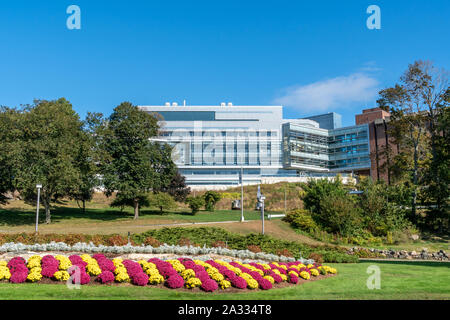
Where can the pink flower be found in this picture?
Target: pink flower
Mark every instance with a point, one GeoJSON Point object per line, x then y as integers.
{"type": "Point", "coordinates": [239, 282]}
{"type": "Point", "coordinates": [293, 278]}
{"type": "Point", "coordinates": [265, 284]}
{"type": "Point", "coordinates": [175, 281]}
{"type": "Point", "coordinates": [18, 277]}
{"type": "Point", "coordinates": [209, 285]}
{"type": "Point", "coordinates": [106, 277]}
{"type": "Point", "coordinates": [140, 279]}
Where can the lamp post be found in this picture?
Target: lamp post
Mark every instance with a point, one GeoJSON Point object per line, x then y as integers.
{"type": "Point", "coordinates": [38, 186]}
{"type": "Point", "coordinates": [241, 180]}
{"type": "Point", "coordinates": [261, 199]}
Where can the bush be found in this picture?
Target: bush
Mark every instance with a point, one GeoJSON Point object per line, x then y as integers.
{"type": "Point", "coordinates": [211, 198]}
{"type": "Point", "coordinates": [301, 219]}
{"type": "Point", "coordinates": [195, 203]}
{"type": "Point", "coordinates": [161, 200]}
{"type": "Point", "coordinates": [316, 257]}
{"type": "Point", "coordinates": [150, 241]}
{"type": "Point", "coordinates": [254, 248]}
{"type": "Point", "coordinates": [339, 214]}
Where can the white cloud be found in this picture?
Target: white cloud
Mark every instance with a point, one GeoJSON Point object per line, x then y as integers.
{"type": "Point", "coordinates": [330, 94]}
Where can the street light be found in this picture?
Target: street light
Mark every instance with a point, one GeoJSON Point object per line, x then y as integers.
{"type": "Point", "coordinates": [241, 180]}
{"type": "Point", "coordinates": [38, 186]}
{"type": "Point", "coordinates": [261, 199]}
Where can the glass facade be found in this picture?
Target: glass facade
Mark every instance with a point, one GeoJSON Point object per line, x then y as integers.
{"type": "Point", "coordinates": [212, 143]}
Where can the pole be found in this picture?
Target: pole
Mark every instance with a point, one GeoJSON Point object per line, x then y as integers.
{"type": "Point", "coordinates": [37, 210]}
{"type": "Point", "coordinates": [242, 194]}
{"type": "Point", "coordinates": [262, 215]}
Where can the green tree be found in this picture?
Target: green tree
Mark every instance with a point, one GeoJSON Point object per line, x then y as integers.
{"type": "Point", "coordinates": [195, 203]}
{"type": "Point", "coordinates": [407, 127]}
{"type": "Point", "coordinates": [161, 200]}
{"type": "Point", "coordinates": [86, 163]}
{"type": "Point", "coordinates": [211, 198]}
{"type": "Point", "coordinates": [131, 164]}
{"type": "Point", "coordinates": [10, 136]}
{"type": "Point", "coordinates": [49, 152]}
{"type": "Point", "coordinates": [339, 214]}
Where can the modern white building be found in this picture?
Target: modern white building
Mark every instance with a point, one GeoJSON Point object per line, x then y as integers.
{"type": "Point", "coordinates": [212, 144]}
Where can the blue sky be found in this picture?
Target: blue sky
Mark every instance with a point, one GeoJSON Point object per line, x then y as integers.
{"type": "Point", "coordinates": [311, 56]}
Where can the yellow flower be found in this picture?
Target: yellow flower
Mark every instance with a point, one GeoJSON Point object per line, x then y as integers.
{"type": "Point", "coordinates": [309, 266]}
{"type": "Point", "coordinates": [34, 276]}
{"type": "Point", "coordinates": [314, 272]}
{"type": "Point", "coordinates": [3, 263]}
{"type": "Point", "coordinates": [284, 277]}
{"type": "Point", "coordinates": [155, 279]}
{"type": "Point", "coordinates": [61, 275]}
{"type": "Point", "coordinates": [217, 277]}
{"type": "Point", "coordinates": [270, 279]}
{"type": "Point", "coordinates": [152, 272]}
{"type": "Point", "coordinates": [252, 284]}
{"type": "Point", "coordinates": [93, 269]}
{"type": "Point", "coordinates": [64, 262]}
{"type": "Point", "coordinates": [294, 273]}
{"type": "Point", "coordinates": [224, 284]}
{"type": "Point", "coordinates": [193, 283]}
{"type": "Point", "coordinates": [120, 270]}
{"type": "Point", "coordinates": [4, 273]}
{"type": "Point", "coordinates": [187, 274]}
{"type": "Point", "coordinates": [305, 275]}
{"type": "Point", "coordinates": [122, 277]}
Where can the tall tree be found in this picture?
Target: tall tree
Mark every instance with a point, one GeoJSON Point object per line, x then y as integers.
{"type": "Point", "coordinates": [10, 135]}
{"type": "Point", "coordinates": [49, 151]}
{"type": "Point", "coordinates": [177, 188]}
{"type": "Point", "coordinates": [133, 165]}
{"type": "Point", "coordinates": [404, 101]}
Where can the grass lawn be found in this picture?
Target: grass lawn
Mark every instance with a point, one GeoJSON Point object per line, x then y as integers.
{"type": "Point", "coordinates": [108, 220]}
{"type": "Point", "coordinates": [399, 280]}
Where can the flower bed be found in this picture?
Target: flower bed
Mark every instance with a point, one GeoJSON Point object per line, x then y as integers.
{"type": "Point", "coordinates": [209, 275]}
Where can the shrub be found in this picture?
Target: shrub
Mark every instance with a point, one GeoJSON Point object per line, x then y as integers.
{"type": "Point", "coordinates": [339, 214]}
{"type": "Point", "coordinates": [150, 241]}
{"type": "Point", "coordinates": [284, 252]}
{"type": "Point", "coordinates": [195, 203]}
{"type": "Point", "coordinates": [116, 240]}
{"type": "Point", "coordinates": [301, 219]}
{"type": "Point", "coordinates": [316, 257]}
{"type": "Point", "coordinates": [211, 198]}
{"type": "Point", "coordinates": [219, 243]}
{"type": "Point", "coordinates": [254, 248]}
{"type": "Point", "coordinates": [161, 200]}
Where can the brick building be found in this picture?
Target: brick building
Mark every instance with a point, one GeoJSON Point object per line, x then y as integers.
{"type": "Point", "coordinates": [377, 120]}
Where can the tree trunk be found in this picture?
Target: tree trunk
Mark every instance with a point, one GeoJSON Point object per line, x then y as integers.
{"type": "Point", "coordinates": [47, 210]}
{"type": "Point", "coordinates": [136, 209]}
{"type": "Point", "coordinates": [414, 195]}
{"type": "Point", "coordinates": [84, 206]}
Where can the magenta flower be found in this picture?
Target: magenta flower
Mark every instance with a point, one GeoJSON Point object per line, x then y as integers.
{"type": "Point", "coordinates": [106, 277]}
{"type": "Point", "coordinates": [140, 279]}
{"type": "Point", "coordinates": [265, 284]}
{"type": "Point", "coordinates": [175, 281]}
{"type": "Point", "coordinates": [209, 285]}
{"type": "Point", "coordinates": [239, 282]}
{"type": "Point", "coordinates": [293, 278]}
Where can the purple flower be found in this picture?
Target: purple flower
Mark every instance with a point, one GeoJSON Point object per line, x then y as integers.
{"type": "Point", "coordinates": [239, 282]}
{"type": "Point", "coordinates": [18, 277]}
{"type": "Point", "coordinates": [175, 281]}
{"type": "Point", "coordinates": [209, 285]}
{"type": "Point", "coordinates": [106, 277]}
{"type": "Point", "coordinates": [293, 278]}
{"type": "Point", "coordinates": [140, 279]}
{"type": "Point", "coordinates": [265, 284]}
